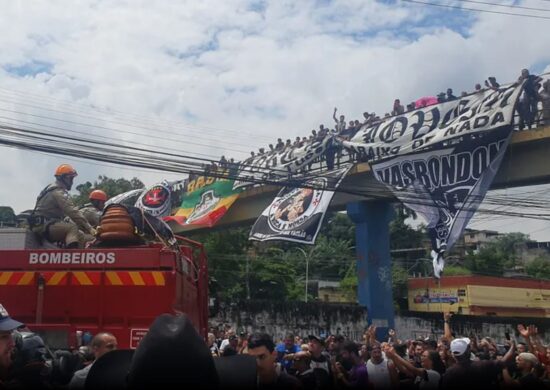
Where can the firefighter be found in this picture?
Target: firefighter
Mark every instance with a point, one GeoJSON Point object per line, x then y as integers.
{"type": "Point", "coordinates": [92, 211]}
{"type": "Point", "coordinates": [53, 205]}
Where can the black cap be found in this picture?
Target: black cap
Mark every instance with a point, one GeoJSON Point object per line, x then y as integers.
{"type": "Point", "coordinates": [318, 339]}
{"type": "Point", "coordinates": [7, 324]}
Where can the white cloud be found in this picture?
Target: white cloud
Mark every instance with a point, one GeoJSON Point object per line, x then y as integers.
{"type": "Point", "coordinates": [262, 69]}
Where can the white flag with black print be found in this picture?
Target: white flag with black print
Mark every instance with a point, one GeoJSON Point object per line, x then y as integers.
{"type": "Point", "coordinates": [296, 213]}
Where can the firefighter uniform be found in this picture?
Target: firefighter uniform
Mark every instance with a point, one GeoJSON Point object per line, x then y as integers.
{"type": "Point", "coordinates": [52, 206]}
{"type": "Point", "coordinates": [92, 214]}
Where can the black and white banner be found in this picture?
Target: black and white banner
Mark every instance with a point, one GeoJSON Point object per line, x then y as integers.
{"type": "Point", "coordinates": [440, 160]}
{"type": "Point", "coordinates": [280, 164]}
{"type": "Point", "coordinates": [296, 213]}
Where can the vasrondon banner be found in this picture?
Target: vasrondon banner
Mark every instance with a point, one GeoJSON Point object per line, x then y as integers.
{"type": "Point", "coordinates": [206, 200]}
{"type": "Point", "coordinates": [296, 214]}
{"type": "Point", "coordinates": [440, 160]}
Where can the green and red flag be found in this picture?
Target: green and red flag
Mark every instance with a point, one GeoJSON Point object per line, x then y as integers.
{"type": "Point", "coordinates": [205, 202]}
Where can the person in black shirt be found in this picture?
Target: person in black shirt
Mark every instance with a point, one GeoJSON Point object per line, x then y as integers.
{"type": "Point", "coordinates": [301, 366]}
{"type": "Point", "coordinates": [231, 348]}
{"type": "Point", "coordinates": [270, 376]}
{"type": "Point", "coordinates": [469, 374]}
{"type": "Point", "coordinates": [450, 95]}
{"type": "Point", "coordinates": [320, 363]}
{"type": "Point", "coordinates": [527, 364]}
{"type": "Point", "coordinates": [529, 100]}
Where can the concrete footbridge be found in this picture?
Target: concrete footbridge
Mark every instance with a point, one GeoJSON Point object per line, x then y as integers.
{"type": "Point", "coordinates": [527, 162]}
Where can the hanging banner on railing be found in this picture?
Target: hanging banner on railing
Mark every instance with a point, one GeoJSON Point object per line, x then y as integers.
{"type": "Point", "coordinates": [205, 201]}
{"type": "Point", "coordinates": [440, 160]}
{"type": "Point", "coordinates": [278, 165]}
{"type": "Point", "coordinates": [296, 213]}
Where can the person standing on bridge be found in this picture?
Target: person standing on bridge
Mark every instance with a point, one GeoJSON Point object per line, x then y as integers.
{"type": "Point", "coordinates": [529, 99]}
{"type": "Point", "coordinates": [340, 124]}
{"type": "Point", "coordinates": [53, 205]}
{"type": "Point", "coordinates": [545, 99]}
{"type": "Point", "coordinates": [92, 211]}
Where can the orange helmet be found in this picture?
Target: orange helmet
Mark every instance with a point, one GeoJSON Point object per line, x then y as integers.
{"type": "Point", "coordinates": [98, 195]}
{"type": "Point", "coordinates": [65, 170]}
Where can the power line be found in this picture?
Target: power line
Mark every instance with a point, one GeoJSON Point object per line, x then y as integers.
{"type": "Point", "coordinates": [79, 107]}
{"type": "Point", "coordinates": [506, 5]}
{"type": "Point", "coordinates": [364, 190]}
{"type": "Point", "coordinates": [475, 9]}
{"type": "Point", "coordinates": [144, 158]}
{"type": "Point", "coordinates": [142, 124]}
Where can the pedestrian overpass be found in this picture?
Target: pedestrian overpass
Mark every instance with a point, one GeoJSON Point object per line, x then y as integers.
{"type": "Point", "coordinates": [527, 162]}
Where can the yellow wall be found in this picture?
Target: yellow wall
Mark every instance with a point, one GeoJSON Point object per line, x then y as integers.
{"type": "Point", "coordinates": [482, 300]}
{"type": "Point", "coordinates": [508, 297]}
{"type": "Point", "coordinates": [437, 299]}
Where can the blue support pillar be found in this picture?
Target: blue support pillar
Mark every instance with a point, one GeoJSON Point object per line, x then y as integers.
{"type": "Point", "coordinates": [372, 243]}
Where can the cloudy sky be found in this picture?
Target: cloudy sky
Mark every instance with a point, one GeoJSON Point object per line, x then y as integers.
{"type": "Point", "coordinates": [219, 77]}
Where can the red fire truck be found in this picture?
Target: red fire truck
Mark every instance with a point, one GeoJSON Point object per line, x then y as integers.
{"type": "Point", "coordinates": [62, 294]}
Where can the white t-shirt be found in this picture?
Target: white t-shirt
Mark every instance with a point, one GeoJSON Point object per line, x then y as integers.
{"type": "Point", "coordinates": [429, 381]}
{"type": "Point", "coordinates": [225, 343]}
{"type": "Point", "coordinates": [379, 374]}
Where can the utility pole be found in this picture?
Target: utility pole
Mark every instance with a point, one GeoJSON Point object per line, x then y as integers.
{"type": "Point", "coordinates": [307, 274]}
{"type": "Point", "coordinates": [247, 277]}
{"type": "Point", "coordinates": [307, 257]}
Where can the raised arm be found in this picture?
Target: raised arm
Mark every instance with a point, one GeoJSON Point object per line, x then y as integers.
{"type": "Point", "coordinates": [525, 333]}
{"type": "Point", "coordinates": [510, 353]}
{"type": "Point", "coordinates": [447, 326]}
{"type": "Point", "coordinates": [392, 336]}
{"type": "Point", "coordinates": [536, 340]}
{"type": "Point", "coordinates": [404, 365]}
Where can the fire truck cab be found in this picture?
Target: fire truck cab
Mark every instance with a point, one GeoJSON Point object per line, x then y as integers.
{"type": "Point", "coordinates": [63, 294]}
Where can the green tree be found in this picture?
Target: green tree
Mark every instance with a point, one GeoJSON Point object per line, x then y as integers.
{"type": "Point", "coordinates": [539, 268]}
{"type": "Point", "coordinates": [111, 187]}
{"type": "Point", "coordinates": [400, 279]}
{"type": "Point", "coordinates": [494, 257]}
{"type": "Point", "coordinates": [349, 283]}
{"type": "Point", "coordinates": [456, 270]}
{"type": "Point", "coordinates": [329, 258]}
{"type": "Point", "coordinates": [273, 277]}
{"type": "Point", "coordinates": [338, 226]}
{"type": "Point", "coordinates": [402, 235]}
{"type": "Point", "coordinates": [227, 252]}
{"type": "Point", "coordinates": [7, 216]}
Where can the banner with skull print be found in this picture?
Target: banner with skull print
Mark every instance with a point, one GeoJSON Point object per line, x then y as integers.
{"type": "Point", "coordinates": [296, 213]}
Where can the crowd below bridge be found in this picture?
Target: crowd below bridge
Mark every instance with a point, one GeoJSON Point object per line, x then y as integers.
{"type": "Point", "coordinates": [533, 110]}
{"type": "Point", "coordinates": [172, 353]}
{"type": "Point", "coordinates": [447, 362]}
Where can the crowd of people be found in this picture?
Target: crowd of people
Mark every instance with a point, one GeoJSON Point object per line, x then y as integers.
{"type": "Point", "coordinates": [174, 353]}
{"type": "Point", "coordinates": [447, 362]}
{"type": "Point", "coordinates": [533, 110]}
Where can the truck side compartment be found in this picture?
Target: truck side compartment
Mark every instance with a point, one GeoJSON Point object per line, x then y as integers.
{"type": "Point", "coordinates": [60, 293]}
